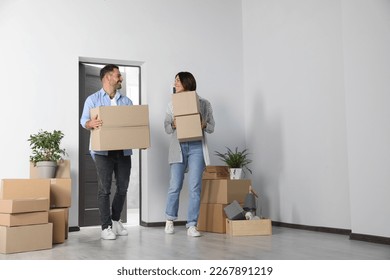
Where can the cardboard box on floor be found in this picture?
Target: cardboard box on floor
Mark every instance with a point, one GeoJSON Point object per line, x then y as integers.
{"type": "Point", "coordinates": [60, 186]}
{"type": "Point", "coordinates": [212, 217]}
{"type": "Point", "coordinates": [60, 192]}
{"type": "Point", "coordinates": [66, 222]}
{"type": "Point", "coordinates": [22, 219]}
{"type": "Point", "coordinates": [25, 238]}
{"type": "Point", "coordinates": [58, 219]}
{"type": "Point", "coordinates": [216, 172]}
{"type": "Point", "coordinates": [124, 127]}
{"type": "Point", "coordinates": [224, 191]}
{"type": "Point", "coordinates": [24, 205]}
{"type": "Point", "coordinates": [185, 103]}
{"type": "Point", "coordinates": [188, 128]}
{"type": "Point", "coordinates": [248, 227]}
{"type": "Point", "coordinates": [25, 189]}
{"type": "Point", "coordinates": [57, 190]}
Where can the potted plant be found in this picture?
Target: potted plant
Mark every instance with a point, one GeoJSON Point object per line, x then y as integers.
{"type": "Point", "coordinates": [236, 160]}
{"type": "Point", "coordinates": [46, 151]}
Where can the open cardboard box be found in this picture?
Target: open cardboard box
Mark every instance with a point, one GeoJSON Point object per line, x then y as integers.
{"type": "Point", "coordinates": [248, 227]}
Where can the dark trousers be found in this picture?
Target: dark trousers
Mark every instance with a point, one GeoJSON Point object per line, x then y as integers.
{"type": "Point", "coordinates": [119, 165]}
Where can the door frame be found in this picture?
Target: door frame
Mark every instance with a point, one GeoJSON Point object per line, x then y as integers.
{"type": "Point", "coordinates": [124, 63]}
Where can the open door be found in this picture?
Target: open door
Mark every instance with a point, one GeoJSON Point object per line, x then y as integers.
{"type": "Point", "coordinates": [89, 82]}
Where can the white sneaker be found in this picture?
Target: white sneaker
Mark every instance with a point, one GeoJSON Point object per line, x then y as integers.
{"type": "Point", "coordinates": [169, 228]}
{"type": "Point", "coordinates": [108, 234]}
{"type": "Point", "coordinates": [118, 228]}
{"type": "Point", "coordinates": [193, 231]}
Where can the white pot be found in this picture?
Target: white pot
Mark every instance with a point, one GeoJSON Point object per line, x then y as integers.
{"type": "Point", "coordinates": [46, 169]}
{"type": "Point", "coordinates": [235, 173]}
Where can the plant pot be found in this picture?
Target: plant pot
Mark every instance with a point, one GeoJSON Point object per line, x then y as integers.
{"type": "Point", "coordinates": [46, 169]}
{"type": "Point", "coordinates": [235, 173]}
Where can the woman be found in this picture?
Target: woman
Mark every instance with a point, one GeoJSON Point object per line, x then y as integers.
{"type": "Point", "coordinates": [186, 156]}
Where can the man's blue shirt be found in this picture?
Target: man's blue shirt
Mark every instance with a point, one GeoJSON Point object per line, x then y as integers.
{"type": "Point", "coordinates": [101, 98]}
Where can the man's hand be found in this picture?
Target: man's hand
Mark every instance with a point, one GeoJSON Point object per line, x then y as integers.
{"type": "Point", "coordinates": [94, 123]}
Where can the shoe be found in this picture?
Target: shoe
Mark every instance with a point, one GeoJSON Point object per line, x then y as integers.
{"type": "Point", "coordinates": [118, 228]}
{"type": "Point", "coordinates": [193, 231]}
{"type": "Point", "coordinates": [169, 228]}
{"type": "Point", "coordinates": [108, 234]}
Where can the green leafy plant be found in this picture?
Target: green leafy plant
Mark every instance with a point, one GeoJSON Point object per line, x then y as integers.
{"type": "Point", "coordinates": [236, 158]}
{"type": "Point", "coordinates": [45, 146]}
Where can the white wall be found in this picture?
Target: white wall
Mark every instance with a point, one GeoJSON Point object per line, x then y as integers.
{"type": "Point", "coordinates": [366, 37]}
{"type": "Point", "coordinates": [294, 87]}
{"type": "Point", "coordinates": [315, 79]}
{"type": "Point", "coordinates": [41, 45]}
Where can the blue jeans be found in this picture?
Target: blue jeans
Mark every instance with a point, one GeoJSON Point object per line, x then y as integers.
{"type": "Point", "coordinates": [193, 160]}
{"type": "Point", "coordinates": [119, 165]}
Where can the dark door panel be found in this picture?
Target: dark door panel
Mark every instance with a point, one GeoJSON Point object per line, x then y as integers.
{"type": "Point", "coordinates": [90, 216]}
{"type": "Point", "coordinates": [89, 82]}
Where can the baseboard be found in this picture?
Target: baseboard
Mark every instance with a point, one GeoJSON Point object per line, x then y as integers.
{"type": "Point", "coordinates": [352, 236]}
{"type": "Point", "coordinates": [74, 229]}
{"type": "Point", "coordinates": [313, 228]}
{"type": "Point", "coordinates": [370, 238]}
{"type": "Point", "coordinates": [161, 224]}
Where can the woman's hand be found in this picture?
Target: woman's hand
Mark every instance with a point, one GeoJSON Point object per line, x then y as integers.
{"type": "Point", "coordinates": [203, 124]}
{"type": "Point", "coordinates": [174, 123]}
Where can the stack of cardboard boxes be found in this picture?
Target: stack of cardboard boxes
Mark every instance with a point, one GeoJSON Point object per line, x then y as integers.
{"type": "Point", "coordinates": [60, 200]}
{"type": "Point", "coordinates": [34, 212]}
{"type": "Point", "coordinates": [186, 112]}
{"type": "Point", "coordinates": [24, 205]}
{"type": "Point", "coordinates": [218, 191]}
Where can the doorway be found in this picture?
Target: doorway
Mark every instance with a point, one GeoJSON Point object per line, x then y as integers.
{"type": "Point", "coordinates": [89, 82]}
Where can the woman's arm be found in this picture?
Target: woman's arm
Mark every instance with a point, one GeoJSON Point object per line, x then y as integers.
{"type": "Point", "coordinates": [208, 122]}
{"type": "Point", "coordinates": [169, 120]}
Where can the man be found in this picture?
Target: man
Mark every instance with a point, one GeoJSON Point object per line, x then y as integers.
{"type": "Point", "coordinates": [109, 162]}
